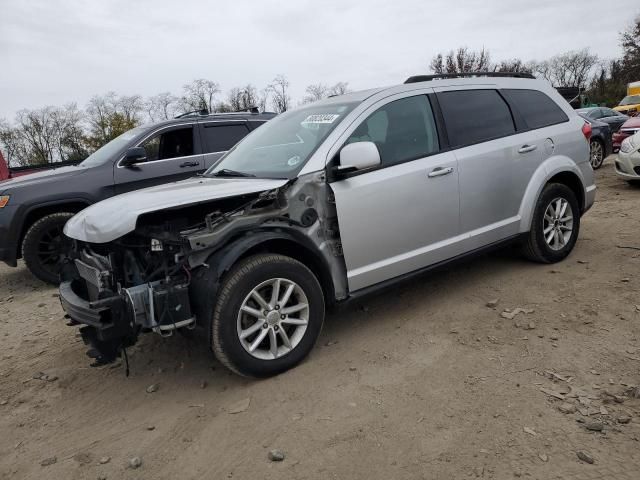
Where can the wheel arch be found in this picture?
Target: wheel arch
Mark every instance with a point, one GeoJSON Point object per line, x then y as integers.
{"type": "Point", "coordinates": [37, 212]}
{"type": "Point", "coordinates": [555, 170]}
{"type": "Point", "coordinates": [206, 279]}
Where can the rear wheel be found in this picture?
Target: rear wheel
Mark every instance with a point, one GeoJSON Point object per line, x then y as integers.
{"type": "Point", "coordinates": [555, 225]}
{"type": "Point", "coordinates": [596, 156]}
{"type": "Point", "coordinates": [45, 246]}
{"type": "Point", "coordinates": [268, 315]}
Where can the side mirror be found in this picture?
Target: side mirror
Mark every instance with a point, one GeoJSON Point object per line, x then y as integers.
{"type": "Point", "coordinates": [358, 156]}
{"type": "Point", "coordinates": [134, 155]}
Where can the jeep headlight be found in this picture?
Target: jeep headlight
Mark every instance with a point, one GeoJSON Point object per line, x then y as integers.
{"type": "Point", "coordinates": [4, 199]}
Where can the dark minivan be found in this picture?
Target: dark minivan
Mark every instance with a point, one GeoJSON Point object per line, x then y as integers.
{"type": "Point", "coordinates": [35, 208]}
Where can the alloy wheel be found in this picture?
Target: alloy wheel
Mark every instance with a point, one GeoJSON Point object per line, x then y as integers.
{"type": "Point", "coordinates": [53, 248]}
{"type": "Point", "coordinates": [273, 318]}
{"type": "Point", "coordinates": [557, 225]}
{"type": "Point", "coordinates": [596, 156]}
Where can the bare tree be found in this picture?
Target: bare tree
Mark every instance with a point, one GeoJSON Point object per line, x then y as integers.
{"type": "Point", "coordinates": [461, 60]}
{"type": "Point", "coordinates": [318, 91]}
{"type": "Point", "coordinates": [199, 95]}
{"type": "Point", "coordinates": [242, 98]}
{"type": "Point", "coordinates": [110, 115]}
{"type": "Point", "coordinates": [569, 69]}
{"type": "Point", "coordinates": [513, 65]}
{"type": "Point", "coordinates": [315, 92]}
{"type": "Point", "coordinates": [44, 135]}
{"type": "Point", "coordinates": [339, 88]}
{"type": "Point", "coordinates": [162, 106]}
{"type": "Point", "coordinates": [279, 90]}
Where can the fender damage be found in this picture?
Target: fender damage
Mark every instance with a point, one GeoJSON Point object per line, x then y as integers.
{"type": "Point", "coordinates": [163, 274]}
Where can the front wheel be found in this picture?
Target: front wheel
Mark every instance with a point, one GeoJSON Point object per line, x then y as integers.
{"type": "Point", "coordinates": [268, 315]}
{"type": "Point", "coordinates": [45, 247]}
{"type": "Point", "coordinates": [555, 225]}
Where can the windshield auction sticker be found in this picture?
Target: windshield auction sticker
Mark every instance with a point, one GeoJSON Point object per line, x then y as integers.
{"type": "Point", "coordinates": [321, 118]}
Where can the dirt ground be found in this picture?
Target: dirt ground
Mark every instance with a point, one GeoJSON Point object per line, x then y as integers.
{"type": "Point", "coordinates": [425, 381]}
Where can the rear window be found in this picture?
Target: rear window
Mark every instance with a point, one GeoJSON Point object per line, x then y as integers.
{"type": "Point", "coordinates": [473, 116]}
{"type": "Point", "coordinates": [537, 109]}
{"type": "Point", "coordinates": [220, 138]}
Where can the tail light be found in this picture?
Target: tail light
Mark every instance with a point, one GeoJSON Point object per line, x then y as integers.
{"type": "Point", "coordinates": [586, 130]}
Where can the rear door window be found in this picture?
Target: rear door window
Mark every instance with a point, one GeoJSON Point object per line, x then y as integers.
{"type": "Point", "coordinates": [474, 116]}
{"type": "Point", "coordinates": [537, 109]}
{"type": "Point", "coordinates": [221, 137]}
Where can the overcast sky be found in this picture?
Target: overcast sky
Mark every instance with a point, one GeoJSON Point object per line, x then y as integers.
{"type": "Point", "coordinates": [54, 52]}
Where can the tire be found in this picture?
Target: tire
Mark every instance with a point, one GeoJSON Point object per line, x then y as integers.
{"type": "Point", "coordinates": [44, 247]}
{"type": "Point", "coordinates": [259, 273]}
{"type": "Point", "coordinates": [596, 153]}
{"type": "Point", "coordinates": [536, 247]}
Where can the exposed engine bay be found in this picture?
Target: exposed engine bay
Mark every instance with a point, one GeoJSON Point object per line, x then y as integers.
{"type": "Point", "coordinates": [163, 276]}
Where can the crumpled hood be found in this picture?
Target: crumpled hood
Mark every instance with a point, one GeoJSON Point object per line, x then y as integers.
{"type": "Point", "coordinates": [112, 218]}
{"type": "Point", "coordinates": [38, 178]}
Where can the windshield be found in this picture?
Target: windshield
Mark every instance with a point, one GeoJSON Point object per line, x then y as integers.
{"type": "Point", "coordinates": [107, 151]}
{"type": "Point", "coordinates": [281, 147]}
{"type": "Point", "coordinates": [630, 100]}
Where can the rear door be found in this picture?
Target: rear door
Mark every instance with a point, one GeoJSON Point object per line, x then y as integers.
{"type": "Point", "coordinates": [495, 162]}
{"type": "Point", "coordinates": [173, 153]}
{"type": "Point", "coordinates": [220, 136]}
{"type": "Point", "coordinates": [404, 215]}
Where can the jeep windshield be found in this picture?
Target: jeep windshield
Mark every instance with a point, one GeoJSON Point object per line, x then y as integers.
{"type": "Point", "coordinates": [630, 100]}
{"type": "Point", "coordinates": [106, 152]}
{"type": "Point", "coordinates": [281, 147]}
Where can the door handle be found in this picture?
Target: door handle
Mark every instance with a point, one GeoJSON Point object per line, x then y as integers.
{"type": "Point", "coordinates": [440, 171]}
{"type": "Point", "coordinates": [527, 148]}
{"type": "Point", "coordinates": [189, 164]}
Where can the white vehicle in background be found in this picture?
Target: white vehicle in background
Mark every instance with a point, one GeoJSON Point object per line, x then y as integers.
{"type": "Point", "coordinates": [628, 161]}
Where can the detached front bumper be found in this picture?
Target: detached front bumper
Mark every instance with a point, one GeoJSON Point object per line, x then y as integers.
{"type": "Point", "coordinates": [98, 314]}
{"type": "Point", "coordinates": [106, 325]}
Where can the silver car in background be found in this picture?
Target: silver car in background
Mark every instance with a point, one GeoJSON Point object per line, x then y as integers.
{"type": "Point", "coordinates": [328, 202]}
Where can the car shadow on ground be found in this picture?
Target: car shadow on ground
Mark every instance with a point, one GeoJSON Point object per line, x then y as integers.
{"type": "Point", "coordinates": [188, 353]}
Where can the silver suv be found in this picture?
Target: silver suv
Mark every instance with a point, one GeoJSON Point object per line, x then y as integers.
{"type": "Point", "coordinates": [325, 203]}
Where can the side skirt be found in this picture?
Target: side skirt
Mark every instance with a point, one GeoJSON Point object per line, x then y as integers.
{"type": "Point", "coordinates": [364, 292]}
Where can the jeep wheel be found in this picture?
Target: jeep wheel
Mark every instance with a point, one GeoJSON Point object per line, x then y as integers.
{"type": "Point", "coordinates": [555, 225]}
{"type": "Point", "coordinates": [45, 246]}
{"type": "Point", "coordinates": [268, 315]}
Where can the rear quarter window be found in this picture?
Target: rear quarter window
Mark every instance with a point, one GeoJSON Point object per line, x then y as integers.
{"type": "Point", "coordinates": [220, 138]}
{"type": "Point", "coordinates": [474, 116]}
{"type": "Point", "coordinates": [536, 108]}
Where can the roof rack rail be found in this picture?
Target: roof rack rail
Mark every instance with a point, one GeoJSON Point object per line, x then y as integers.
{"type": "Point", "coordinates": [252, 110]}
{"type": "Point", "coordinates": [194, 113]}
{"type": "Point", "coordinates": [426, 78]}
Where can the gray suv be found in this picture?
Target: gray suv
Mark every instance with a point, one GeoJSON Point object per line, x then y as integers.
{"type": "Point", "coordinates": [326, 203]}
{"type": "Point", "coordinates": [34, 208]}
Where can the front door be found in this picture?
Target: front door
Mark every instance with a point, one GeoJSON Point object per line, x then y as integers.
{"type": "Point", "coordinates": [172, 154]}
{"type": "Point", "coordinates": [404, 215]}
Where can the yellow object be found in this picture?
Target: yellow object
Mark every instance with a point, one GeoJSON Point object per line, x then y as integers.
{"type": "Point", "coordinates": [4, 199]}
{"type": "Point", "coordinates": [631, 103]}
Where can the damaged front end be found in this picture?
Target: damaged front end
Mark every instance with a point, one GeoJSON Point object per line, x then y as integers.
{"type": "Point", "coordinates": [164, 275]}
{"type": "Point", "coordinates": [116, 291]}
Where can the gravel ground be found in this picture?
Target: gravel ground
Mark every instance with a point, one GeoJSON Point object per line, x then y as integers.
{"type": "Point", "coordinates": [425, 381]}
